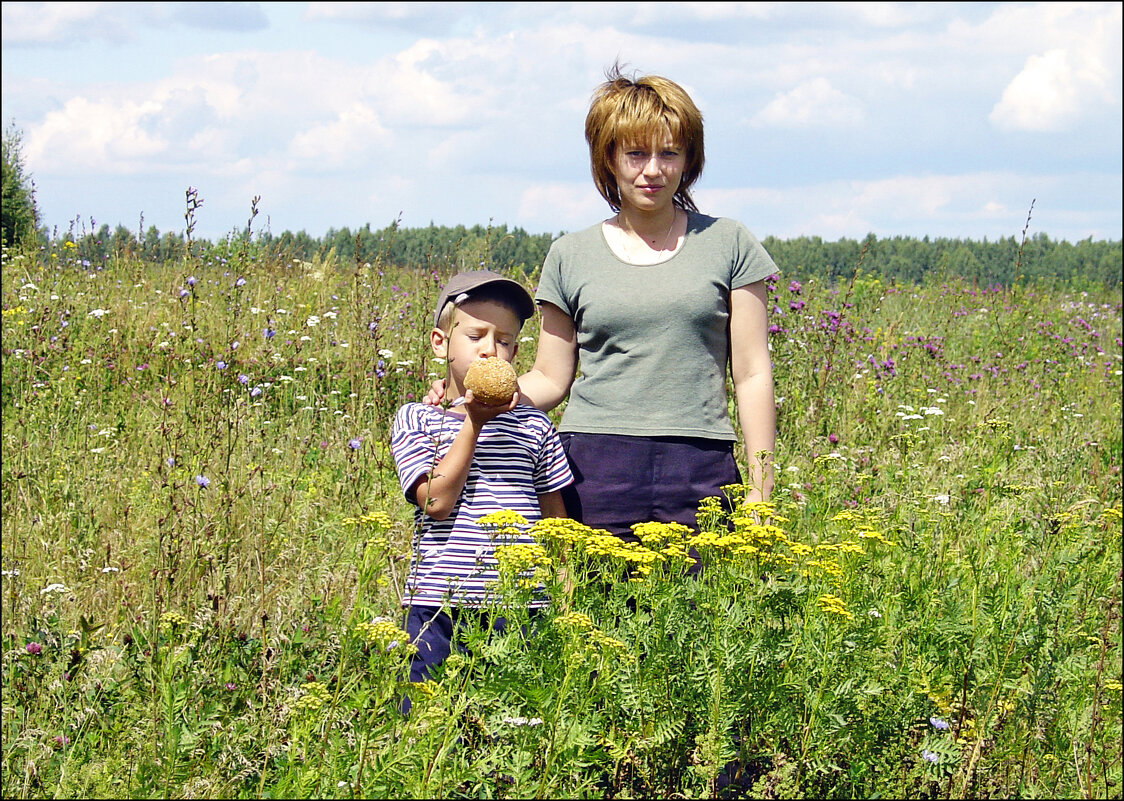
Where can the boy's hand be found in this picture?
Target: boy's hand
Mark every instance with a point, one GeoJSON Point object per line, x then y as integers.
{"type": "Point", "coordinates": [482, 413]}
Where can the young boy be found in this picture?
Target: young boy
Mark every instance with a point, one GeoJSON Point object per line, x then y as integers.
{"type": "Point", "coordinates": [460, 463]}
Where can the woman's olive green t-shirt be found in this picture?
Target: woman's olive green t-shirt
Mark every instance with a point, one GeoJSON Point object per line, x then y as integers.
{"type": "Point", "coordinates": [653, 343]}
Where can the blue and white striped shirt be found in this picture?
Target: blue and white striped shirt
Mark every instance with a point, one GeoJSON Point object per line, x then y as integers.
{"type": "Point", "coordinates": [518, 457]}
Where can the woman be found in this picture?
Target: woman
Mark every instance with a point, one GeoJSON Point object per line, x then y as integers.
{"type": "Point", "coordinates": [652, 304]}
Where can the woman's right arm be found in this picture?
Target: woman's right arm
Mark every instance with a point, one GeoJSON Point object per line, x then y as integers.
{"type": "Point", "coordinates": [548, 382]}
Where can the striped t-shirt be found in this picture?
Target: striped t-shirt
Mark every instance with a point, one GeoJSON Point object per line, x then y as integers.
{"type": "Point", "coordinates": [518, 457]}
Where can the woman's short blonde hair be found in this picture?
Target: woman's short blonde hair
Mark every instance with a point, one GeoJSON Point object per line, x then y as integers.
{"type": "Point", "coordinates": [634, 111]}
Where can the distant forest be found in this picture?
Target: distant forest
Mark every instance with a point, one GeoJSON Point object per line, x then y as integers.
{"type": "Point", "coordinates": [1037, 260]}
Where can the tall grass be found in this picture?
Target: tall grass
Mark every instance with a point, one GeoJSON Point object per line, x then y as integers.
{"type": "Point", "coordinates": [204, 547]}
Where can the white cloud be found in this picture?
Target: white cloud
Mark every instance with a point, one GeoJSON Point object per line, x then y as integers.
{"type": "Point", "coordinates": [94, 136]}
{"type": "Point", "coordinates": [965, 206]}
{"type": "Point", "coordinates": [1050, 93]}
{"type": "Point", "coordinates": [561, 206]}
{"type": "Point", "coordinates": [344, 141]}
{"type": "Point", "coordinates": [814, 103]}
{"type": "Point", "coordinates": [51, 23]}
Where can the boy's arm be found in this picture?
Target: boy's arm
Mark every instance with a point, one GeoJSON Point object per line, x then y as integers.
{"type": "Point", "coordinates": [551, 505]}
{"type": "Point", "coordinates": [436, 494]}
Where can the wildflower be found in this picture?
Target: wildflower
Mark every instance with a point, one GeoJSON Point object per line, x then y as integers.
{"type": "Point", "coordinates": [203, 481]}
{"type": "Point", "coordinates": [834, 605]}
{"type": "Point", "coordinates": [520, 557]}
{"type": "Point", "coordinates": [354, 443]}
{"type": "Point", "coordinates": [243, 379]}
{"type": "Point", "coordinates": [99, 313]}
{"type": "Point", "coordinates": [230, 686]}
{"type": "Point", "coordinates": [220, 365]}
{"type": "Point", "coordinates": [382, 633]}
{"type": "Point", "coordinates": [501, 519]}
{"type": "Point", "coordinates": [929, 756]}
{"type": "Point", "coordinates": [34, 648]}
{"type": "Point", "coordinates": [192, 280]}
{"type": "Point", "coordinates": [268, 333]}
{"type": "Point", "coordinates": [939, 724]}
{"type": "Point", "coordinates": [59, 588]}
{"type": "Point", "coordinates": [240, 282]}
{"type": "Point", "coordinates": [315, 696]}
{"type": "Point", "coordinates": [522, 721]}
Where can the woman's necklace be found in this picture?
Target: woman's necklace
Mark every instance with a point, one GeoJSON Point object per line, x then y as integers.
{"type": "Point", "coordinates": [666, 239]}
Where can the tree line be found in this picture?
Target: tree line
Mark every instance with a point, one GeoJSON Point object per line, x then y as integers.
{"type": "Point", "coordinates": [1037, 259]}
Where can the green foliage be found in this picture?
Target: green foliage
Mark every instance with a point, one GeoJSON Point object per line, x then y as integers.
{"type": "Point", "coordinates": [204, 544]}
{"type": "Point", "coordinates": [19, 216]}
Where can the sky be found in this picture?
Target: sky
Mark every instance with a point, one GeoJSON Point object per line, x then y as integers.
{"type": "Point", "coordinates": [834, 120]}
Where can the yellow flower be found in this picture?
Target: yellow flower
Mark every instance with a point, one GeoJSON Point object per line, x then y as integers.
{"type": "Point", "coordinates": [833, 605]}
{"type": "Point", "coordinates": [502, 519]}
{"type": "Point", "coordinates": [382, 633]}
{"type": "Point", "coordinates": [519, 557]}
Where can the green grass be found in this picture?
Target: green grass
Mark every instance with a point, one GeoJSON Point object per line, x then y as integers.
{"type": "Point", "coordinates": [929, 608]}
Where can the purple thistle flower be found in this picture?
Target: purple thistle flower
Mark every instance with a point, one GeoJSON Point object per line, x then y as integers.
{"type": "Point", "coordinates": [34, 648]}
{"type": "Point", "coordinates": [203, 482]}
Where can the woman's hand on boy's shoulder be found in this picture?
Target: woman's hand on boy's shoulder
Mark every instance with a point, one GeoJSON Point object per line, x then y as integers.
{"type": "Point", "coordinates": [436, 393]}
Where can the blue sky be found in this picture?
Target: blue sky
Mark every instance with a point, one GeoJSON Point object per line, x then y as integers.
{"type": "Point", "coordinates": [822, 119]}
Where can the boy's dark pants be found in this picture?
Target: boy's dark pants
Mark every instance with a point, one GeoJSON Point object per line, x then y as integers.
{"type": "Point", "coordinates": [434, 630]}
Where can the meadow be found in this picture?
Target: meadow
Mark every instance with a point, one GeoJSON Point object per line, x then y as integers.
{"type": "Point", "coordinates": [204, 547]}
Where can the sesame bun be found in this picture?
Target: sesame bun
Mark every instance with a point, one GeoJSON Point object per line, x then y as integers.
{"type": "Point", "coordinates": [491, 380]}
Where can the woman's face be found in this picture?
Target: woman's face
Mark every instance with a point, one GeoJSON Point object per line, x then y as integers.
{"type": "Point", "coordinates": [648, 175]}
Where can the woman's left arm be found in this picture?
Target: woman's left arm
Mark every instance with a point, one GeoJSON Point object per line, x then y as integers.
{"type": "Point", "coordinates": [752, 371]}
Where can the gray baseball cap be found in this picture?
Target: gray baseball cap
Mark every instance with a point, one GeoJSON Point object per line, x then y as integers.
{"type": "Point", "coordinates": [461, 286]}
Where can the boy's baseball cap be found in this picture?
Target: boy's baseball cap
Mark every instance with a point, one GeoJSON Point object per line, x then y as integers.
{"type": "Point", "coordinates": [461, 286]}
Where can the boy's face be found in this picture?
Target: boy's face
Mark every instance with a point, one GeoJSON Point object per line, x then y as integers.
{"type": "Point", "coordinates": [480, 328]}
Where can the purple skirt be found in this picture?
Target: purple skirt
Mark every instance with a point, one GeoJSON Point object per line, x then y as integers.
{"type": "Point", "coordinates": [620, 480]}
